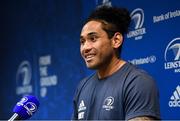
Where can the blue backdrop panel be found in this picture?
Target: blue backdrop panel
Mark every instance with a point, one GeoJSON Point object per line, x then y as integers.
{"type": "Point", "coordinates": [39, 50]}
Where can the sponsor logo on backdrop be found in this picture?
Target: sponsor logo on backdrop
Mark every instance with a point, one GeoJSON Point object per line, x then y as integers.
{"type": "Point", "coordinates": [81, 110]}
{"type": "Point", "coordinates": [145, 60]}
{"type": "Point", "coordinates": [166, 16]}
{"type": "Point", "coordinates": [103, 3]}
{"type": "Point", "coordinates": [175, 98]}
{"type": "Point", "coordinates": [172, 55]}
{"type": "Point", "coordinates": [46, 80]}
{"type": "Point", "coordinates": [23, 78]}
{"type": "Point", "coordinates": [137, 30]}
{"type": "Point", "coordinates": [108, 103]}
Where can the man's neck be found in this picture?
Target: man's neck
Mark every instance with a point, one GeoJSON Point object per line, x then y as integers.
{"type": "Point", "coordinates": [111, 68]}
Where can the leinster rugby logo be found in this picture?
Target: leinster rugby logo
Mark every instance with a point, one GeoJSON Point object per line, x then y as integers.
{"type": "Point", "coordinates": [103, 3]}
{"type": "Point", "coordinates": [172, 55]}
{"type": "Point", "coordinates": [23, 78]}
{"type": "Point", "coordinates": [137, 17]}
{"type": "Point", "coordinates": [108, 103]}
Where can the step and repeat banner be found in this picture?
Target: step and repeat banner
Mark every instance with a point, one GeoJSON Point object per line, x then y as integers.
{"type": "Point", "coordinates": [39, 49]}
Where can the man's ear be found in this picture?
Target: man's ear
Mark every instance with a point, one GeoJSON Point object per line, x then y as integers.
{"type": "Point", "coordinates": [117, 40]}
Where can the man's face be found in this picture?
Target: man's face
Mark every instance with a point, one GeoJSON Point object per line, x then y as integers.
{"type": "Point", "coordinates": [95, 46]}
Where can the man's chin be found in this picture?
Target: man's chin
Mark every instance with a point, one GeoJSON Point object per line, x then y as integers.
{"type": "Point", "coordinates": [93, 67]}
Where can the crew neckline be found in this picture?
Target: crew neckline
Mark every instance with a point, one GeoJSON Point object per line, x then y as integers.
{"type": "Point", "coordinates": [120, 69]}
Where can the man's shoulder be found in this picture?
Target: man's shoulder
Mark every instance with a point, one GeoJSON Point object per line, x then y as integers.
{"type": "Point", "coordinates": [86, 79]}
{"type": "Point", "coordinates": [135, 71]}
{"type": "Point", "coordinates": [138, 76]}
{"type": "Point", "coordinates": [82, 83]}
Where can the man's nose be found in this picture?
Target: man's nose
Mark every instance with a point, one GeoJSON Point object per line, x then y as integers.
{"type": "Point", "coordinates": [87, 46]}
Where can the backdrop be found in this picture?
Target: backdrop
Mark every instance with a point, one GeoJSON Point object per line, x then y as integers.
{"type": "Point", "coordinates": [39, 51]}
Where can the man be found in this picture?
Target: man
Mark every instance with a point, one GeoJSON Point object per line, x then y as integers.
{"type": "Point", "coordinates": [118, 90]}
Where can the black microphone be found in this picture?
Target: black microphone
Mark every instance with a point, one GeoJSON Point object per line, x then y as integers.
{"type": "Point", "coordinates": [25, 108]}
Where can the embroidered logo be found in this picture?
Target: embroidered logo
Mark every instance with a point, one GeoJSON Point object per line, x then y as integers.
{"type": "Point", "coordinates": [81, 110]}
{"type": "Point", "coordinates": [108, 103]}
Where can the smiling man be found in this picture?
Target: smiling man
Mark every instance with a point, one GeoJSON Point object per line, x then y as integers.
{"type": "Point", "coordinates": [118, 90]}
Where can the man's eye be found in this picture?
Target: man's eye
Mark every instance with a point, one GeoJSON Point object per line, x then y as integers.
{"type": "Point", "coordinates": [93, 38]}
{"type": "Point", "coordinates": [82, 41]}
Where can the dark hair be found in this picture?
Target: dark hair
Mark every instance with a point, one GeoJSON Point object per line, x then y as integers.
{"type": "Point", "coordinates": [113, 19]}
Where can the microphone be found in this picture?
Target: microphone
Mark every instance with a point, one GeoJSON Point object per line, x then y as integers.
{"type": "Point", "coordinates": [25, 108]}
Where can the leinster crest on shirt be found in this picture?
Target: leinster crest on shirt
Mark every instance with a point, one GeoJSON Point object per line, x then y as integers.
{"type": "Point", "coordinates": [108, 103]}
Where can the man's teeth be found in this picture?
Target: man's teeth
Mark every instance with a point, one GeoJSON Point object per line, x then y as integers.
{"type": "Point", "coordinates": [89, 56]}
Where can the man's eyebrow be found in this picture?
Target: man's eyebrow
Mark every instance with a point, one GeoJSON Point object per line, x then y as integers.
{"type": "Point", "coordinates": [92, 33]}
{"type": "Point", "coordinates": [89, 34]}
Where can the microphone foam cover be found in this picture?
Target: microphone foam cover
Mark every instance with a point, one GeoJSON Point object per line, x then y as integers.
{"type": "Point", "coordinates": [26, 107]}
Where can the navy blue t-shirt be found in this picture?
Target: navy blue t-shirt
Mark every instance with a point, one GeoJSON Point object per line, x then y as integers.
{"type": "Point", "coordinates": [128, 93]}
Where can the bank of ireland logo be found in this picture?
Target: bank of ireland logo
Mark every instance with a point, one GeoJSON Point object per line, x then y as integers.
{"type": "Point", "coordinates": [137, 31]}
{"type": "Point", "coordinates": [172, 55]}
{"type": "Point", "coordinates": [108, 103]}
{"type": "Point", "coordinates": [175, 98]}
{"type": "Point", "coordinates": [23, 78]}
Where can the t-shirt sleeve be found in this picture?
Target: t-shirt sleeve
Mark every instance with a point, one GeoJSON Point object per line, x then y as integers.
{"type": "Point", "coordinates": [75, 98]}
{"type": "Point", "coordinates": [75, 113]}
{"type": "Point", "coordinates": [141, 97]}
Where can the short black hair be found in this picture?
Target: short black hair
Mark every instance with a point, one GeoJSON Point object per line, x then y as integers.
{"type": "Point", "coordinates": [114, 19]}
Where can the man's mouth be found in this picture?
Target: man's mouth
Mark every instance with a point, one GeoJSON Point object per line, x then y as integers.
{"type": "Point", "coordinates": [89, 57]}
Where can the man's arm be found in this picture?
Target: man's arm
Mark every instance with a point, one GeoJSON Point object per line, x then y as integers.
{"type": "Point", "coordinates": [143, 118]}
{"type": "Point", "coordinates": [141, 98]}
